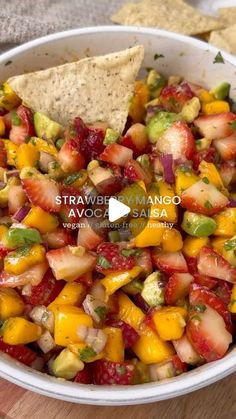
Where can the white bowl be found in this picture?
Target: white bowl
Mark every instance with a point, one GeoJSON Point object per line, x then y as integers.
{"type": "Point", "coordinates": [182, 55]}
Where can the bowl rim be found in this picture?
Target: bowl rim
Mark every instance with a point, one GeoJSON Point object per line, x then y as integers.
{"type": "Point", "coordinates": [119, 395]}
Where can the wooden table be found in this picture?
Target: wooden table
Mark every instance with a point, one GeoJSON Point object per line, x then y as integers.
{"type": "Point", "coordinates": [217, 401]}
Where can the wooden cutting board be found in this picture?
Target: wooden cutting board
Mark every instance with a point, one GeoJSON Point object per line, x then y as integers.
{"type": "Point", "coordinates": [217, 401]}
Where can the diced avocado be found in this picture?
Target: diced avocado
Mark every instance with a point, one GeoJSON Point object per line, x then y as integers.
{"type": "Point", "coordinates": [67, 365]}
{"type": "Point", "coordinates": [198, 225]}
{"type": "Point", "coordinates": [135, 197]}
{"type": "Point", "coordinates": [134, 287]}
{"type": "Point", "coordinates": [229, 251]}
{"type": "Point", "coordinates": [59, 143]}
{"type": "Point", "coordinates": [22, 236]}
{"type": "Point", "coordinates": [46, 128]}
{"type": "Point", "coordinates": [191, 110]}
{"type": "Point", "coordinates": [152, 292]}
{"type": "Point", "coordinates": [141, 372]}
{"type": "Point", "coordinates": [144, 161]}
{"type": "Point", "coordinates": [159, 123]}
{"type": "Point", "coordinates": [155, 82]}
{"type": "Point", "coordinates": [111, 136]}
{"type": "Point", "coordinates": [54, 170]}
{"type": "Point", "coordinates": [221, 91]}
{"type": "Point", "coordinates": [203, 144]}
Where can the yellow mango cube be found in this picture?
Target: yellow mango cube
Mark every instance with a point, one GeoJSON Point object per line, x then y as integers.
{"type": "Point", "coordinates": [8, 98]}
{"type": "Point", "coordinates": [114, 348]}
{"type": "Point", "coordinates": [216, 106]}
{"type": "Point", "coordinates": [23, 258]}
{"type": "Point", "coordinates": [115, 280]}
{"type": "Point", "coordinates": [171, 240]}
{"type": "Point", "coordinates": [19, 331]}
{"type": "Point", "coordinates": [45, 146]}
{"type": "Point", "coordinates": [170, 322]}
{"type": "Point", "coordinates": [2, 127]}
{"type": "Point", "coordinates": [218, 243]}
{"type": "Point", "coordinates": [129, 312]}
{"type": "Point", "coordinates": [206, 97]}
{"type": "Point", "coordinates": [149, 235]}
{"type": "Point", "coordinates": [72, 294]}
{"type": "Point", "coordinates": [183, 180]}
{"type": "Point", "coordinates": [85, 352]}
{"type": "Point", "coordinates": [67, 320]}
{"type": "Point", "coordinates": [232, 306]}
{"type": "Point", "coordinates": [165, 192]}
{"type": "Point", "coordinates": [11, 149]}
{"type": "Point", "coordinates": [11, 304]}
{"type": "Point", "coordinates": [209, 171]}
{"type": "Point", "coordinates": [26, 156]}
{"type": "Point", "coordinates": [193, 245]}
{"type": "Point", "coordinates": [42, 220]}
{"type": "Point", "coordinates": [226, 222]}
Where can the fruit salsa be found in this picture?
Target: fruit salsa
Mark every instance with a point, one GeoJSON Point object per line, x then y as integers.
{"type": "Point", "coordinates": [95, 303]}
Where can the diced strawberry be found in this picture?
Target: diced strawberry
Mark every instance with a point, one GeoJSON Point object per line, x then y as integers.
{"type": "Point", "coordinates": [204, 198]}
{"type": "Point", "coordinates": [70, 158]}
{"type": "Point", "coordinates": [130, 336]}
{"type": "Point", "coordinates": [174, 97]}
{"type": "Point", "coordinates": [42, 192]}
{"type": "Point", "coordinates": [178, 141]}
{"type": "Point", "coordinates": [3, 154]}
{"type": "Point", "coordinates": [205, 281]}
{"type": "Point", "coordinates": [136, 139]}
{"type": "Point", "coordinates": [203, 296]}
{"type": "Point", "coordinates": [86, 279]}
{"type": "Point", "coordinates": [144, 260]}
{"type": "Point", "coordinates": [186, 351]}
{"type": "Point", "coordinates": [85, 376]}
{"type": "Point", "coordinates": [212, 264]}
{"type": "Point", "coordinates": [148, 321]}
{"type": "Point", "coordinates": [92, 146]}
{"type": "Point", "coordinates": [110, 258]}
{"type": "Point", "coordinates": [223, 290]}
{"type": "Point", "coordinates": [208, 155]}
{"type": "Point", "coordinates": [105, 181]}
{"type": "Point", "coordinates": [226, 147]}
{"type": "Point", "coordinates": [19, 352]}
{"type": "Point", "coordinates": [69, 262]}
{"type": "Point", "coordinates": [16, 198]}
{"type": "Point", "coordinates": [169, 262]}
{"type": "Point", "coordinates": [192, 264]}
{"type": "Point", "coordinates": [135, 172]}
{"type": "Point", "coordinates": [70, 212]}
{"type": "Point", "coordinates": [108, 372]}
{"type": "Point", "coordinates": [58, 238]}
{"type": "Point", "coordinates": [116, 154]}
{"type": "Point", "coordinates": [177, 287]}
{"type": "Point", "coordinates": [179, 366]}
{"type": "Point", "coordinates": [87, 236]}
{"type": "Point", "coordinates": [81, 131]}
{"type": "Point", "coordinates": [32, 276]}
{"type": "Point", "coordinates": [228, 172]}
{"type": "Point", "coordinates": [3, 251]}
{"type": "Point", "coordinates": [7, 120]}
{"type": "Point", "coordinates": [24, 127]}
{"type": "Point", "coordinates": [46, 291]}
{"type": "Point", "coordinates": [216, 126]}
{"type": "Point", "coordinates": [207, 333]}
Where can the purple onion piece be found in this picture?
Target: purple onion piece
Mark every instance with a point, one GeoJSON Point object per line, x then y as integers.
{"type": "Point", "coordinates": [167, 163]}
{"type": "Point", "coordinates": [140, 302]}
{"type": "Point", "coordinates": [21, 213]}
{"type": "Point", "coordinates": [232, 203]}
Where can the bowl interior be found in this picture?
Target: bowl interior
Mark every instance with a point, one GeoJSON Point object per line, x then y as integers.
{"type": "Point", "coordinates": [179, 55]}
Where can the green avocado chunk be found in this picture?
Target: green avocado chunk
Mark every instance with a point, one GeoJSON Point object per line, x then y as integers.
{"type": "Point", "coordinates": [152, 292]}
{"type": "Point", "coordinates": [66, 365]}
{"type": "Point", "coordinates": [17, 237]}
{"type": "Point", "coordinates": [221, 91]}
{"type": "Point", "coordinates": [198, 225]}
{"type": "Point", "coordinates": [46, 128]}
{"type": "Point", "coordinates": [159, 123]}
{"type": "Point", "coordinates": [111, 137]}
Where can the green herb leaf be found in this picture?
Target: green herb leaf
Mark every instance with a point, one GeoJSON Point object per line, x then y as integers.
{"type": "Point", "coordinates": [87, 353]}
{"type": "Point", "coordinates": [15, 119]}
{"type": "Point", "coordinates": [72, 178]}
{"type": "Point", "coordinates": [22, 251]}
{"type": "Point", "coordinates": [101, 312]}
{"type": "Point", "coordinates": [120, 369]}
{"type": "Point", "coordinates": [232, 124]}
{"type": "Point", "coordinates": [218, 58]}
{"type": "Point", "coordinates": [130, 252]}
{"type": "Point", "coordinates": [200, 307]}
{"type": "Point", "coordinates": [156, 56]}
{"type": "Point", "coordinates": [103, 262]}
{"type": "Point", "coordinates": [230, 244]}
{"type": "Point", "coordinates": [208, 205]}
{"type": "Point", "coordinates": [205, 180]}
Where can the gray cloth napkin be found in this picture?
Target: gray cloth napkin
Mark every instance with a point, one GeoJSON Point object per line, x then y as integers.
{"type": "Point", "coordinates": [23, 20]}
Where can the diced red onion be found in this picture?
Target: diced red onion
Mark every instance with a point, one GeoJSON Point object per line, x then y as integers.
{"type": "Point", "coordinates": [90, 304]}
{"type": "Point", "coordinates": [98, 291]}
{"type": "Point", "coordinates": [232, 203]}
{"type": "Point", "coordinates": [95, 338]}
{"type": "Point", "coordinates": [45, 245]}
{"type": "Point", "coordinates": [140, 302]}
{"type": "Point", "coordinates": [46, 342]}
{"type": "Point", "coordinates": [11, 173]}
{"type": "Point", "coordinates": [21, 213]}
{"type": "Point", "coordinates": [167, 163]}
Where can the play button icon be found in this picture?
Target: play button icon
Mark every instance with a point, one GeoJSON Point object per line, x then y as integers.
{"type": "Point", "coordinates": [116, 210]}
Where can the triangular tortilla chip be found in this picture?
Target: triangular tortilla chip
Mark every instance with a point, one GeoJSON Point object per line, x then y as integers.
{"type": "Point", "coordinates": [225, 39]}
{"type": "Point", "coordinates": [228, 14]}
{"type": "Point", "coordinates": [96, 89]}
{"type": "Point", "coordinates": [172, 15]}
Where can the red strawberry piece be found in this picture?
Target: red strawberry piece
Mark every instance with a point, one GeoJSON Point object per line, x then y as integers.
{"type": "Point", "coordinates": [108, 372]}
{"type": "Point", "coordinates": [71, 212]}
{"type": "Point", "coordinates": [7, 120]}
{"type": "Point", "coordinates": [105, 181]}
{"type": "Point", "coordinates": [179, 366]}
{"type": "Point", "coordinates": [3, 155]}
{"type": "Point", "coordinates": [186, 351]}
{"type": "Point", "coordinates": [136, 139]}
{"type": "Point", "coordinates": [86, 279]}
{"type": "Point", "coordinates": [70, 158]}
{"type": "Point", "coordinates": [205, 281]}
{"type": "Point", "coordinates": [226, 147]}
{"type": "Point", "coordinates": [110, 258]}
{"type": "Point", "coordinates": [68, 265]}
{"type": "Point", "coordinates": [144, 260]}
{"type": "Point", "coordinates": [81, 131]}
{"type": "Point", "coordinates": [212, 264]}
{"type": "Point", "coordinates": [204, 198]}
{"type": "Point", "coordinates": [177, 287]}
{"type": "Point", "coordinates": [135, 172]}
{"type": "Point", "coordinates": [87, 236]}
{"type": "Point", "coordinates": [116, 154]}
{"type": "Point", "coordinates": [58, 238]}
{"type": "Point", "coordinates": [207, 332]}
{"type": "Point", "coordinates": [85, 376]}
{"type": "Point", "coordinates": [32, 276]}
{"type": "Point", "coordinates": [178, 141]}
{"type": "Point", "coordinates": [130, 336]}
{"type": "Point", "coordinates": [223, 290]}
{"type": "Point", "coordinates": [208, 155]}
{"type": "Point", "coordinates": [174, 97]}
{"type": "Point", "coordinates": [200, 295]}
{"type": "Point", "coordinates": [148, 321]}
{"type": "Point", "coordinates": [16, 198]}
{"type": "Point", "coordinates": [216, 126]}
{"type": "Point", "coordinates": [169, 262]}
{"type": "Point", "coordinates": [22, 125]}
{"type": "Point", "coordinates": [228, 172]}
{"type": "Point", "coordinates": [46, 291]}
{"type": "Point", "coordinates": [42, 192]}
{"type": "Point", "coordinates": [3, 251]}
{"type": "Point", "coordinates": [92, 145]}
{"type": "Point", "coordinates": [192, 264]}
{"type": "Point", "coordinates": [20, 352]}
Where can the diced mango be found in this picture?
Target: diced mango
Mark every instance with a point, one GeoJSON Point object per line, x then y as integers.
{"type": "Point", "coordinates": [171, 240]}
{"type": "Point", "coordinates": [206, 97]}
{"type": "Point", "coordinates": [170, 322]}
{"type": "Point", "coordinates": [129, 312]}
{"type": "Point", "coordinates": [115, 280]}
{"type": "Point", "coordinates": [150, 349]}
{"type": "Point", "coordinates": [11, 149]}
{"type": "Point", "coordinates": [42, 220]}
{"type": "Point", "coordinates": [193, 245]}
{"type": "Point", "coordinates": [216, 106]}
{"type": "Point", "coordinates": [232, 306]}
{"type": "Point", "coordinates": [19, 331]}
{"type": "Point", "coordinates": [67, 321]}
{"type": "Point", "coordinates": [226, 222]}
{"type": "Point", "coordinates": [183, 180]}
{"type": "Point", "coordinates": [218, 243]}
{"type": "Point", "coordinates": [114, 349]}
{"type": "Point", "coordinates": [209, 171]}
{"type": "Point", "coordinates": [85, 352]}
{"type": "Point", "coordinates": [2, 127]}
{"type": "Point", "coordinates": [140, 98]}
{"type": "Point", "coordinates": [8, 98]}
{"type": "Point", "coordinates": [26, 156]}
{"type": "Point", "coordinates": [148, 235]}
{"type": "Point", "coordinates": [11, 304]}
{"type": "Point", "coordinates": [72, 294]}
{"type": "Point", "coordinates": [23, 258]}
{"type": "Point", "coordinates": [45, 146]}
{"type": "Point", "coordinates": [165, 192]}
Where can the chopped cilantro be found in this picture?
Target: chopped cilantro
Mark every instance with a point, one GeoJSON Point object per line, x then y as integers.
{"type": "Point", "coordinates": [200, 307]}
{"type": "Point", "coordinates": [72, 178]}
{"type": "Point", "coordinates": [87, 353]}
{"type": "Point", "coordinates": [232, 124]}
{"type": "Point", "coordinates": [230, 244]}
{"type": "Point", "coordinates": [120, 369]}
{"type": "Point", "coordinates": [184, 169]}
{"type": "Point", "coordinates": [15, 119]}
{"type": "Point", "coordinates": [101, 312]}
{"type": "Point", "coordinates": [22, 251]}
{"type": "Point", "coordinates": [156, 56]}
{"type": "Point", "coordinates": [208, 205]}
{"type": "Point", "coordinates": [103, 262]}
{"type": "Point", "coordinates": [205, 180]}
{"type": "Point", "coordinates": [218, 58]}
{"type": "Point", "coordinates": [195, 317]}
{"type": "Point", "coordinates": [130, 252]}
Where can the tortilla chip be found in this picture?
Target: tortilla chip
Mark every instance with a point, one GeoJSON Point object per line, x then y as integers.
{"type": "Point", "coordinates": [228, 14]}
{"type": "Point", "coordinates": [176, 16]}
{"type": "Point", "coordinates": [96, 89]}
{"type": "Point", "coordinates": [225, 39]}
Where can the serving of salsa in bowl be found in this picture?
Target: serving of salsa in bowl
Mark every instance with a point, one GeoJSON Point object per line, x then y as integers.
{"type": "Point", "coordinates": [117, 215]}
